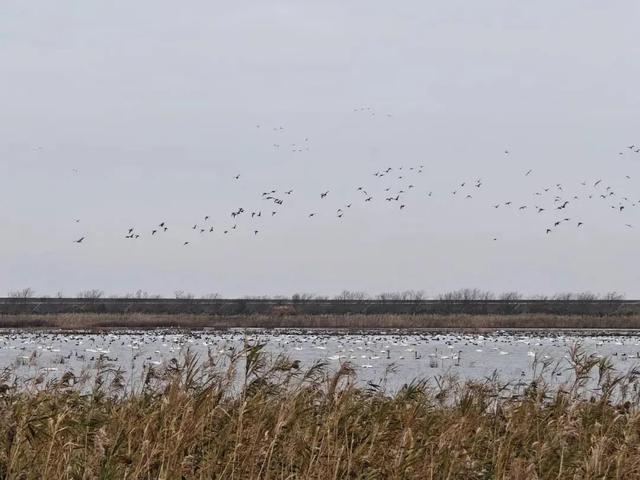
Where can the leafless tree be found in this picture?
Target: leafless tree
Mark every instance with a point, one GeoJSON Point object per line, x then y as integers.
{"type": "Point", "coordinates": [93, 294]}
{"type": "Point", "coordinates": [23, 293]}
{"type": "Point", "coordinates": [539, 297]}
{"type": "Point", "coordinates": [302, 296]}
{"type": "Point", "coordinates": [586, 296]}
{"type": "Point", "coordinates": [510, 296]}
{"type": "Point", "coordinates": [415, 295]}
{"type": "Point", "coordinates": [613, 296]}
{"type": "Point", "coordinates": [564, 296]}
{"type": "Point", "coordinates": [211, 296]}
{"type": "Point", "coordinates": [348, 295]}
{"type": "Point", "coordinates": [467, 294]}
{"type": "Point", "coordinates": [182, 295]}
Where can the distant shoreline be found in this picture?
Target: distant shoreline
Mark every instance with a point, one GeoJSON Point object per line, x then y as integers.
{"type": "Point", "coordinates": [386, 323]}
{"type": "Point", "coordinates": [287, 308]}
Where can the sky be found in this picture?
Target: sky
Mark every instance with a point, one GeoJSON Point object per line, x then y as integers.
{"type": "Point", "coordinates": [128, 114]}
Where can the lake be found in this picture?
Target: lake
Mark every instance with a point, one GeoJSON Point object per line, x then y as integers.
{"type": "Point", "coordinates": [391, 358]}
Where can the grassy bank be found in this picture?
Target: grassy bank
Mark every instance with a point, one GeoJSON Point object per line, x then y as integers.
{"type": "Point", "coordinates": [193, 421]}
{"type": "Point", "coordinates": [137, 320]}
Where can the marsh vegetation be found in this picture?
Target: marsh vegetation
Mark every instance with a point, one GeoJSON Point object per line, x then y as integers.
{"type": "Point", "coordinates": [263, 416]}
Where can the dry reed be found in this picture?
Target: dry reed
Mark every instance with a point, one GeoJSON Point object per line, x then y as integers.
{"type": "Point", "coordinates": [74, 321]}
{"type": "Point", "coordinates": [259, 417]}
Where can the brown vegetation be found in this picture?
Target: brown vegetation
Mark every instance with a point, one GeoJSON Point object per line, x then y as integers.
{"type": "Point", "coordinates": [283, 319]}
{"type": "Point", "coordinates": [263, 418]}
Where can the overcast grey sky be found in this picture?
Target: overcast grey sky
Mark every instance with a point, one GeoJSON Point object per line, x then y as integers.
{"type": "Point", "coordinates": [156, 103]}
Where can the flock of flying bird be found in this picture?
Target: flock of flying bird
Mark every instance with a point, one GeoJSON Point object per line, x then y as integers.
{"type": "Point", "coordinates": [399, 186]}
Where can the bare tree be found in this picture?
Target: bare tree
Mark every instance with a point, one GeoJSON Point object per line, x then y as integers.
{"type": "Point", "coordinates": [613, 296]}
{"type": "Point", "coordinates": [510, 296]}
{"type": "Point", "coordinates": [539, 298]}
{"type": "Point", "coordinates": [415, 295]}
{"type": "Point", "coordinates": [23, 293]}
{"type": "Point", "coordinates": [467, 294]}
{"type": "Point", "coordinates": [138, 294]}
{"type": "Point", "coordinates": [93, 294]}
{"type": "Point", "coordinates": [211, 296]}
{"type": "Point", "coordinates": [563, 296]}
{"type": "Point", "coordinates": [182, 295]}
{"type": "Point", "coordinates": [348, 295]}
{"type": "Point", "coordinates": [586, 296]}
{"type": "Point", "coordinates": [296, 297]}
{"type": "Point", "coordinates": [386, 296]}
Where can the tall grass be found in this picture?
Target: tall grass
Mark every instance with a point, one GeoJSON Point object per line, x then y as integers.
{"type": "Point", "coordinates": [451, 321]}
{"type": "Point", "coordinates": [254, 416]}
